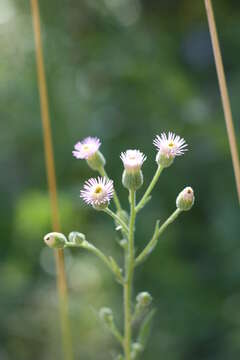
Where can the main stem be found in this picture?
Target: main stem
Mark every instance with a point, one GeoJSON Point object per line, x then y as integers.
{"type": "Point", "coordinates": [129, 269]}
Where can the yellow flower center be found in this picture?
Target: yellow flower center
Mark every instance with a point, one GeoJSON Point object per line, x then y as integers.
{"type": "Point", "coordinates": [86, 147]}
{"type": "Point", "coordinates": [171, 144]}
{"type": "Point", "coordinates": [98, 190]}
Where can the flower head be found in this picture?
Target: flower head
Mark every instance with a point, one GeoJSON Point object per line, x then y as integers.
{"type": "Point", "coordinates": [132, 160]}
{"type": "Point", "coordinates": [171, 145]}
{"type": "Point", "coordinates": [97, 192]}
{"type": "Point", "coordinates": [87, 148]}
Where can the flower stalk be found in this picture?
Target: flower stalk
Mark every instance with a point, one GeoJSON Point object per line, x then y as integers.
{"type": "Point", "coordinates": [147, 193]}
{"type": "Point", "coordinates": [129, 272]}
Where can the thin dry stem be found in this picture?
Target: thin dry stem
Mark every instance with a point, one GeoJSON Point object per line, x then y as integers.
{"type": "Point", "coordinates": [224, 93]}
{"type": "Point", "coordinates": [51, 177]}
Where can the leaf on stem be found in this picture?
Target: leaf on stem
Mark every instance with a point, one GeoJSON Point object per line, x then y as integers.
{"type": "Point", "coordinates": [116, 269]}
{"type": "Point", "coordinates": [145, 328]}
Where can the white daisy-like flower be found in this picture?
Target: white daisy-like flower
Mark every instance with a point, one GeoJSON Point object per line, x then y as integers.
{"type": "Point", "coordinates": [86, 148]}
{"type": "Point", "coordinates": [97, 192]}
{"type": "Point", "coordinates": [170, 145]}
{"type": "Point", "coordinates": [132, 160]}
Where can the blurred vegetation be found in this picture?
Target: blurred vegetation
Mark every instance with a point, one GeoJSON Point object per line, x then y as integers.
{"type": "Point", "coordinates": [122, 70]}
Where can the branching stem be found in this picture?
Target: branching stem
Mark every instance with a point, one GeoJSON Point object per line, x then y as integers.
{"type": "Point", "coordinates": [117, 219]}
{"type": "Point", "coordinates": [149, 189]}
{"type": "Point", "coordinates": [153, 242]}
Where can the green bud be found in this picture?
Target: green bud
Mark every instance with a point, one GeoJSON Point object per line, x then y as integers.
{"type": "Point", "coordinates": [164, 160]}
{"type": "Point", "coordinates": [55, 240]}
{"type": "Point", "coordinates": [76, 237]}
{"type": "Point", "coordinates": [124, 243]}
{"type": "Point", "coordinates": [185, 199]}
{"type": "Point", "coordinates": [96, 161]}
{"type": "Point", "coordinates": [106, 315]}
{"type": "Point", "coordinates": [144, 299]}
{"type": "Point", "coordinates": [137, 348]}
{"type": "Point", "coordinates": [132, 180]}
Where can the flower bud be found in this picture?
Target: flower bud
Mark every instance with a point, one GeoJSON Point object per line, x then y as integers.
{"type": "Point", "coordinates": [124, 243]}
{"type": "Point", "coordinates": [137, 348]}
{"type": "Point", "coordinates": [55, 240]}
{"type": "Point", "coordinates": [76, 237]}
{"type": "Point", "coordinates": [132, 180]}
{"type": "Point", "coordinates": [144, 299]}
{"type": "Point", "coordinates": [185, 199]}
{"type": "Point", "coordinates": [132, 177]}
{"type": "Point", "coordinates": [106, 315]}
{"type": "Point", "coordinates": [96, 161]}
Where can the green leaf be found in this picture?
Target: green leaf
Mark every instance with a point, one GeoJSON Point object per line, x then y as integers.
{"type": "Point", "coordinates": [145, 328]}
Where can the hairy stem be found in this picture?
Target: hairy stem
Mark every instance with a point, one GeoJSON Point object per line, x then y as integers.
{"type": "Point", "coordinates": [129, 269]}
{"type": "Point", "coordinates": [103, 173]}
{"type": "Point", "coordinates": [117, 219]}
{"type": "Point", "coordinates": [107, 261]}
{"type": "Point", "coordinates": [153, 242]}
{"type": "Point", "coordinates": [149, 189]}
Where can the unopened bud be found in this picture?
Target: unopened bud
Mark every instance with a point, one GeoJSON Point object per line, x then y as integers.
{"type": "Point", "coordinates": [185, 199]}
{"type": "Point", "coordinates": [144, 299]}
{"type": "Point", "coordinates": [55, 240]}
{"type": "Point", "coordinates": [106, 315]}
{"type": "Point", "coordinates": [137, 348]}
{"type": "Point", "coordinates": [76, 237]}
{"type": "Point", "coordinates": [124, 243]}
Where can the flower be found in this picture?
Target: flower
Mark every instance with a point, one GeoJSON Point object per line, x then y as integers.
{"type": "Point", "coordinates": [132, 160]}
{"type": "Point", "coordinates": [87, 148]}
{"type": "Point", "coordinates": [169, 146]}
{"type": "Point", "coordinates": [97, 192]}
{"type": "Point", "coordinates": [185, 199]}
{"type": "Point", "coordinates": [172, 145]}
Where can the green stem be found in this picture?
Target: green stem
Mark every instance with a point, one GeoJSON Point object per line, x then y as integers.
{"type": "Point", "coordinates": [116, 333]}
{"type": "Point", "coordinates": [117, 219]}
{"type": "Point", "coordinates": [86, 245]}
{"type": "Point", "coordinates": [103, 173]}
{"type": "Point", "coordinates": [149, 189]}
{"type": "Point", "coordinates": [153, 242]}
{"type": "Point", "coordinates": [129, 269]}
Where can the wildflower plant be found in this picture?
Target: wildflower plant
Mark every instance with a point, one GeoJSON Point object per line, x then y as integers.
{"type": "Point", "coordinates": [98, 193]}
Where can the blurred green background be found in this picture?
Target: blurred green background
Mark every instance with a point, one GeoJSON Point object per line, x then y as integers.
{"type": "Point", "coordinates": [122, 70]}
